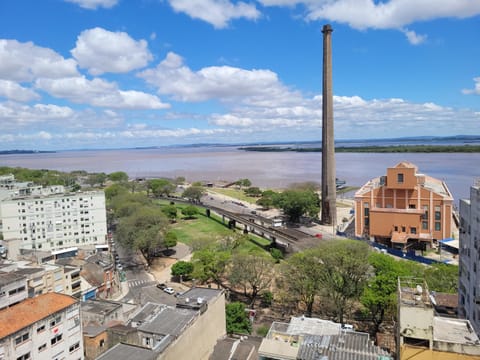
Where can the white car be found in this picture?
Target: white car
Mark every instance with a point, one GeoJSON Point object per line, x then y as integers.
{"type": "Point", "coordinates": [169, 290]}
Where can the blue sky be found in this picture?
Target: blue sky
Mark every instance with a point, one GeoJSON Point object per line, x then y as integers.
{"type": "Point", "coordinates": [123, 73]}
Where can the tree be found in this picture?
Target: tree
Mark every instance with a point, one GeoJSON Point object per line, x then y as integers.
{"type": "Point", "coordinates": [114, 190]}
{"type": "Point", "coordinates": [297, 203]}
{"type": "Point", "coordinates": [96, 179]}
{"type": "Point", "coordinates": [442, 278]}
{"type": "Point", "coordinates": [237, 319]}
{"type": "Point", "coordinates": [183, 269]}
{"type": "Point", "coordinates": [190, 211]}
{"type": "Point", "coordinates": [179, 180]}
{"type": "Point", "coordinates": [210, 265]}
{"type": "Point", "coordinates": [243, 183]}
{"type": "Point", "coordinates": [301, 278]}
{"type": "Point", "coordinates": [379, 296]}
{"type": "Point", "coordinates": [193, 193]}
{"type": "Point", "coordinates": [253, 191]}
{"type": "Point", "coordinates": [253, 273]}
{"type": "Point", "coordinates": [161, 187]}
{"type": "Point", "coordinates": [170, 240]}
{"type": "Point", "coordinates": [344, 269]}
{"type": "Point", "coordinates": [170, 211]}
{"type": "Point", "coordinates": [118, 176]}
{"type": "Point", "coordinates": [143, 230]}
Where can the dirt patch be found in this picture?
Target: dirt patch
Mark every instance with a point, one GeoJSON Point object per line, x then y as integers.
{"type": "Point", "coordinates": [159, 266]}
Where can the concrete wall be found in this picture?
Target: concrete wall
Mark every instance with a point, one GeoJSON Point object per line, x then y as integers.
{"type": "Point", "coordinates": [95, 346]}
{"type": "Point", "coordinates": [200, 338]}
{"type": "Point", "coordinates": [414, 353]}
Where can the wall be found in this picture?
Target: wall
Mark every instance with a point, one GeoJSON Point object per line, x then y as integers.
{"type": "Point", "coordinates": [201, 337]}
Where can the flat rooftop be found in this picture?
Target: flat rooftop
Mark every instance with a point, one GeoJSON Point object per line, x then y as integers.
{"type": "Point", "coordinates": [128, 352]}
{"type": "Point", "coordinates": [170, 321]}
{"type": "Point", "coordinates": [454, 331]}
{"type": "Point", "coordinates": [100, 307]}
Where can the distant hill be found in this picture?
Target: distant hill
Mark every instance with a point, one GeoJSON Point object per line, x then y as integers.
{"type": "Point", "coordinates": [14, 152]}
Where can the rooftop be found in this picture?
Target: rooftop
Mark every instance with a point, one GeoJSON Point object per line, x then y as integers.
{"type": "Point", "coordinates": [31, 310]}
{"type": "Point", "coordinates": [127, 352]}
{"type": "Point", "coordinates": [169, 321]}
{"type": "Point", "coordinates": [9, 277]}
{"type": "Point", "coordinates": [454, 331]}
{"type": "Point", "coordinates": [102, 307]}
{"type": "Point", "coordinates": [346, 345]}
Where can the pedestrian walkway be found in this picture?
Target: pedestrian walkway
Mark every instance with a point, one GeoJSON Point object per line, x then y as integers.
{"type": "Point", "coordinates": [132, 283]}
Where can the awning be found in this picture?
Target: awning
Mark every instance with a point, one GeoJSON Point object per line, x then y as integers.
{"type": "Point", "coordinates": [451, 242]}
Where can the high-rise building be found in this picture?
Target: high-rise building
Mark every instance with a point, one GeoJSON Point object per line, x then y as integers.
{"type": "Point", "coordinates": [469, 258]}
{"type": "Point", "coordinates": [51, 219]}
{"type": "Point", "coordinates": [45, 327]}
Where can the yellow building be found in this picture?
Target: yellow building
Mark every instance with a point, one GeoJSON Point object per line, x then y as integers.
{"type": "Point", "coordinates": [404, 209]}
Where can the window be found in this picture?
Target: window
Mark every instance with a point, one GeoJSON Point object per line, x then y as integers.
{"type": "Point", "coordinates": [395, 228]}
{"type": "Point", "coordinates": [74, 347]}
{"type": "Point", "coordinates": [24, 356]}
{"type": "Point", "coordinates": [56, 339]}
{"type": "Point", "coordinates": [55, 321]}
{"type": "Point", "coordinates": [400, 178]}
{"type": "Point", "coordinates": [438, 215]}
{"type": "Point", "coordinates": [412, 206]}
{"type": "Point", "coordinates": [366, 210]}
{"type": "Point", "coordinates": [404, 229]}
{"type": "Point", "coordinates": [102, 343]}
{"type": "Point", "coordinates": [413, 230]}
{"type": "Point", "coordinates": [42, 347]}
{"type": "Point", "coordinates": [438, 227]}
{"type": "Point", "coordinates": [40, 328]}
{"type": "Point", "coordinates": [424, 225]}
{"type": "Point", "coordinates": [22, 338]}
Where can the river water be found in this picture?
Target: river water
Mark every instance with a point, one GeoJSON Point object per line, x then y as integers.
{"type": "Point", "coordinates": [264, 169]}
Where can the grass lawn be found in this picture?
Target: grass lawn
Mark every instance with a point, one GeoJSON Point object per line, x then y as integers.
{"type": "Point", "coordinates": [235, 193]}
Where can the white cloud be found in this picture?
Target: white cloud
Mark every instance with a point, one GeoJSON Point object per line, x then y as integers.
{"type": "Point", "coordinates": [476, 89]}
{"type": "Point", "coordinates": [102, 51]}
{"type": "Point", "coordinates": [224, 83]}
{"type": "Point", "coordinates": [413, 37]}
{"type": "Point", "coordinates": [94, 4]}
{"type": "Point", "coordinates": [98, 92]}
{"type": "Point", "coordinates": [40, 117]}
{"type": "Point", "coordinates": [26, 62]}
{"type": "Point", "coordinates": [388, 14]}
{"type": "Point", "coordinates": [14, 91]}
{"type": "Point", "coordinates": [216, 12]}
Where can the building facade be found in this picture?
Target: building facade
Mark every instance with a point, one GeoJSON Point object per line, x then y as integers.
{"type": "Point", "coordinates": [46, 327]}
{"type": "Point", "coordinates": [469, 259]}
{"type": "Point", "coordinates": [404, 209]}
{"type": "Point", "coordinates": [51, 219]}
{"type": "Point", "coordinates": [13, 289]}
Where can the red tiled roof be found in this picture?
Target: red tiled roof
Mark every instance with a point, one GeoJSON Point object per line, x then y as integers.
{"type": "Point", "coordinates": [31, 310]}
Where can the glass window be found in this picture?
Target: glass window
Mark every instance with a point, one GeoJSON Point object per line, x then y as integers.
{"type": "Point", "coordinates": [400, 178]}
{"type": "Point", "coordinates": [438, 227]}
{"type": "Point", "coordinates": [413, 230]}
{"type": "Point", "coordinates": [438, 214]}
{"type": "Point", "coordinates": [424, 225]}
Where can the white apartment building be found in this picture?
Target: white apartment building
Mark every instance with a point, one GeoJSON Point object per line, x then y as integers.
{"type": "Point", "coordinates": [13, 289]}
{"type": "Point", "coordinates": [46, 327]}
{"type": "Point", "coordinates": [469, 261]}
{"type": "Point", "coordinates": [50, 219]}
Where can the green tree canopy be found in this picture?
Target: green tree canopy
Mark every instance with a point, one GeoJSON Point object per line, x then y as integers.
{"type": "Point", "coordinates": [170, 211]}
{"type": "Point", "coordinates": [170, 240]}
{"type": "Point", "coordinates": [297, 203]}
{"type": "Point", "coordinates": [118, 176]}
{"type": "Point", "coordinates": [253, 191]}
{"type": "Point", "coordinates": [183, 269]}
{"type": "Point", "coordinates": [237, 319]}
{"type": "Point", "coordinates": [161, 187]}
{"type": "Point", "coordinates": [442, 278]}
{"type": "Point", "coordinates": [193, 193]}
{"type": "Point", "coordinates": [344, 268]}
{"type": "Point", "coordinates": [210, 265]}
{"type": "Point", "coordinates": [301, 277]}
{"type": "Point", "coordinates": [252, 273]}
{"type": "Point", "coordinates": [189, 211]}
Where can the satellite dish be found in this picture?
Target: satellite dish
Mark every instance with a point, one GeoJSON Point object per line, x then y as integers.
{"type": "Point", "coordinates": [419, 289]}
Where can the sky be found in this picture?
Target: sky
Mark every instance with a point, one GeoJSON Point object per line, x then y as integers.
{"type": "Point", "coordinates": [82, 74]}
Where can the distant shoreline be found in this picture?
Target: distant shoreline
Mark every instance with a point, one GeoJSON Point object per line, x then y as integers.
{"type": "Point", "coordinates": [19, 152]}
{"type": "Point", "coordinates": [374, 149]}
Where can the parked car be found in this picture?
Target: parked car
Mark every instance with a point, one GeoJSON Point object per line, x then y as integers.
{"type": "Point", "coordinates": [169, 290]}
{"type": "Point", "coordinates": [162, 286]}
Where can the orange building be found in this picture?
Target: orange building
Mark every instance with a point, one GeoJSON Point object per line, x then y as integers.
{"type": "Point", "coordinates": [404, 209]}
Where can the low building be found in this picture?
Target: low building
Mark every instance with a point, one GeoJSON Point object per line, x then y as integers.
{"type": "Point", "coordinates": [310, 339]}
{"type": "Point", "coordinates": [423, 334]}
{"type": "Point", "coordinates": [404, 209]}
{"type": "Point", "coordinates": [101, 312]}
{"type": "Point", "coordinates": [45, 327]}
{"type": "Point", "coordinates": [13, 289]}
